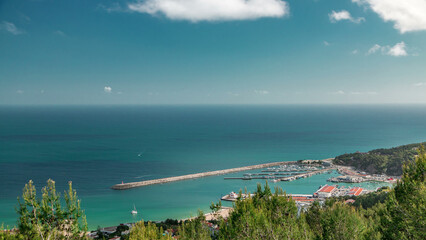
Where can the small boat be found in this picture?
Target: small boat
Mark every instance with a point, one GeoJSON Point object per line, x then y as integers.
{"type": "Point", "coordinates": [134, 211]}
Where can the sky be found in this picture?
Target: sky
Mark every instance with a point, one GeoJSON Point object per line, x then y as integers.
{"type": "Point", "coordinates": [212, 52]}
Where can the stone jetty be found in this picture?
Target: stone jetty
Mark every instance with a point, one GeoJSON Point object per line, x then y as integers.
{"type": "Point", "coordinates": [124, 186]}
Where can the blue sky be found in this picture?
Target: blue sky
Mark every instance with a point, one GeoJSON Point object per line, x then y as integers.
{"type": "Point", "coordinates": [212, 51]}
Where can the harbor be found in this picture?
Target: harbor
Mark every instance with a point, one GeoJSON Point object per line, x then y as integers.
{"type": "Point", "coordinates": [304, 175]}
{"type": "Point", "coordinates": [130, 185]}
{"type": "Point", "coordinates": [288, 172]}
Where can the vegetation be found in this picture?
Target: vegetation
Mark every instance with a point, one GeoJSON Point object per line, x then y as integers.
{"type": "Point", "coordinates": [265, 216]}
{"type": "Point", "coordinates": [147, 231]}
{"type": "Point", "coordinates": [380, 161]}
{"type": "Point", "coordinates": [45, 218]}
{"type": "Point", "coordinates": [397, 213]}
{"type": "Point", "coordinates": [195, 229]}
{"type": "Point", "coordinates": [369, 200]}
{"type": "Point", "coordinates": [404, 214]}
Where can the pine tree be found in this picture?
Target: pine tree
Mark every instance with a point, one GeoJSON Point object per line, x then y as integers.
{"type": "Point", "coordinates": [141, 231]}
{"type": "Point", "coordinates": [45, 218]}
{"type": "Point", "coordinates": [404, 214]}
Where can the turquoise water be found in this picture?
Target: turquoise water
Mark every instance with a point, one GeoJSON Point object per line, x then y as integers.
{"type": "Point", "coordinates": [96, 147]}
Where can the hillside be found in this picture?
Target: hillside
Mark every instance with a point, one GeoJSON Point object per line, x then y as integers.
{"type": "Point", "coordinates": [388, 161]}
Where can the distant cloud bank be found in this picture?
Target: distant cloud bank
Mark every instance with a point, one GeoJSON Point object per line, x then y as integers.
{"type": "Point", "coordinates": [408, 15]}
{"type": "Point", "coordinates": [212, 10]}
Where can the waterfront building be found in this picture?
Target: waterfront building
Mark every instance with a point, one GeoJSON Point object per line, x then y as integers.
{"type": "Point", "coordinates": [326, 191]}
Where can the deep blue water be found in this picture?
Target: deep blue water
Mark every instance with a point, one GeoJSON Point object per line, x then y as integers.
{"type": "Point", "coordinates": [96, 147]}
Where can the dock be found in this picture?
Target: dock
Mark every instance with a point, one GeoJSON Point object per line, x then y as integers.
{"type": "Point", "coordinates": [303, 175]}
{"type": "Point", "coordinates": [124, 186]}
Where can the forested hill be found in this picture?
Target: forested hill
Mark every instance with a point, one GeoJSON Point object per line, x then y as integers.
{"type": "Point", "coordinates": [378, 161]}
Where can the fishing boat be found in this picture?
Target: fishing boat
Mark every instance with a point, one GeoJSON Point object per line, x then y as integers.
{"type": "Point", "coordinates": [134, 211]}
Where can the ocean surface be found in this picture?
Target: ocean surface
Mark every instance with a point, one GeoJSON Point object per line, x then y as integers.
{"type": "Point", "coordinates": [98, 146]}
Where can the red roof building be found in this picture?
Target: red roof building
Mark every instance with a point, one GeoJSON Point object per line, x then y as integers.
{"type": "Point", "coordinates": [356, 191]}
{"type": "Point", "coordinates": [326, 191]}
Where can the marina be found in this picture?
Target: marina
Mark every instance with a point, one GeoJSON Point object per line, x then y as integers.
{"type": "Point", "coordinates": [304, 175]}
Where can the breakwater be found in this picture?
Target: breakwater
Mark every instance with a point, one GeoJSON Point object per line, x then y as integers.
{"type": "Point", "coordinates": [124, 186]}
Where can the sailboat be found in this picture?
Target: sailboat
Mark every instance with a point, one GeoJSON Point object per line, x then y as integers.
{"type": "Point", "coordinates": [134, 211]}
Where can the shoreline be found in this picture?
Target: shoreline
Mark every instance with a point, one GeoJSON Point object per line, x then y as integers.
{"type": "Point", "coordinates": [130, 185]}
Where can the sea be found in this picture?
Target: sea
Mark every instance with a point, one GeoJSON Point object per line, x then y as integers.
{"type": "Point", "coordinates": [96, 147]}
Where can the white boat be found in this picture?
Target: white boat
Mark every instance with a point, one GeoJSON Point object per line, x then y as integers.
{"type": "Point", "coordinates": [134, 211]}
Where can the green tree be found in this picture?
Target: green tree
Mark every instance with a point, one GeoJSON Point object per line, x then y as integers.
{"type": "Point", "coordinates": [45, 218]}
{"type": "Point", "coordinates": [264, 216]}
{"type": "Point", "coordinates": [195, 229]}
{"type": "Point", "coordinates": [404, 214]}
{"type": "Point", "coordinates": [215, 208]}
{"type": "Point", "coordinates": [149, 231]}
{"type": "Point", "coordinates": [7, 234]}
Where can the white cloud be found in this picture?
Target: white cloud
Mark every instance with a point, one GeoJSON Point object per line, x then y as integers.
{"type": "Point", "coordinates": [398, 50]}
{"type": "Point", "coordinates": [407, 15]}
{"type": "Point", "coordinates": [107, 89]}
{"type": "Point", "coordinates": [355, 52]}
{"type": "Point", "coordinates": [343, 15]}
{"type": "Point", "coordinates": [10, 27]}
{"type": "Point", "coordinates": [326, 43]}
{"type": "Point", "coordinates": [19, 91]}
{"type": "Point", "coordinates": [212, 10]}
{"type": "Point", "coordinates": [261, 92]}
{"type": "Point", "coordinates": [419, 84]}
{"type": "Point", "coordinates": [374, 49]}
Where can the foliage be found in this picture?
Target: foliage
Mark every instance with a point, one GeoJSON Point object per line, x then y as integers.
{"type": "Point", "coordinates": [380, 161]}
{"type": "Point", "coordinates": [147, 231]}
{"type": "Point", "coordinates": [336, 220]}
{"type": "Point", "coordinates": [9, 234]}
{"type": "Point", "coordinates": [404, 213]}
{"type": "Point", "coordinates": [195, 228]}
{"type": "Point", "coordinates": [264, 216]}
{"type": "Point", "coordinates": [171, 225]}
{"type": "Point", "coordinates": [369, 200]}
{"type": "Point", "coordinates": [45, 218]}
